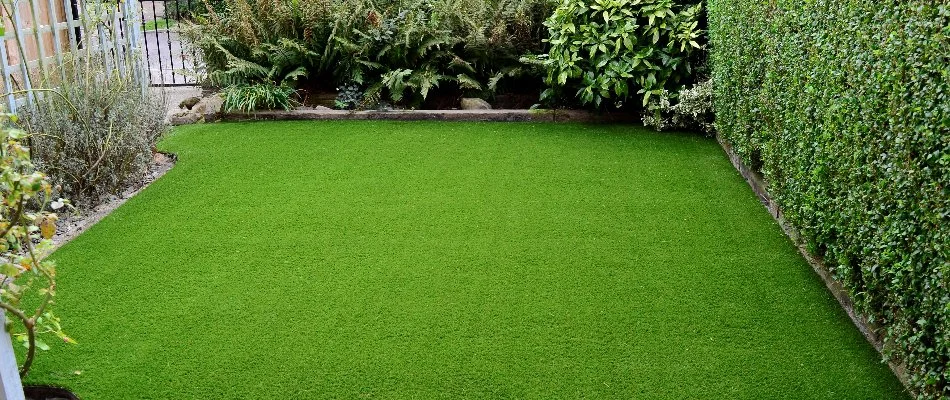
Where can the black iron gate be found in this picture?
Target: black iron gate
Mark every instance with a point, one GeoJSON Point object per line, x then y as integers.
{"type": "Point", "coordinates": [169, 63]}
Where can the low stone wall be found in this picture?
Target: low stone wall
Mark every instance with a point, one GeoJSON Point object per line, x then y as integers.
{"type": "Point", "coordinates": [437, 115]}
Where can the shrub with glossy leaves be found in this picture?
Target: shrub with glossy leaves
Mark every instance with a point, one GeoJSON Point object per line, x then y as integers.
{"type": "Point", "coordinates": [690, 108]}
{"type": "Point", "coordinates": [845, 107]}
{"type": "Point", "coordinates": [609, 50]}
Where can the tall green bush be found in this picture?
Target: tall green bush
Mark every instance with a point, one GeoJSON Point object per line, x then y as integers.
{"type": "Point", "coordinates": [613, 49]}
{"type": "Point", "coordinates": [844, 106]}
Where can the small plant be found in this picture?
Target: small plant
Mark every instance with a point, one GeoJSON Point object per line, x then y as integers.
{"type": "Point", "coordinates": [259, 96]}
{"type": "Point", "coordinates": [348, 97]}
{"type": "Point", "coordinates": [691, 108]}
{"type": "Point", "coordinates": [611, 49]}
{"type": "Point", "coordinates": [27, 279]}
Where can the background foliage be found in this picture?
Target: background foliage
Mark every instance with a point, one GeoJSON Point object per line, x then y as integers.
{"type": "Point", "coordinates": [844, 108]}
{"type": "Point", "coordinates": [400, 49]}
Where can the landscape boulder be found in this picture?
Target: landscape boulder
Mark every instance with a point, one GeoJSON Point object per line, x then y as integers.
{"type": "Point", "coordinates": [209, 107]}
{"type": "Point", "coordinates": [185, 118]}
{"type": "Point", "coordinates": [189, 103]}
{"type": "Point", "coordinates": [471, 103]}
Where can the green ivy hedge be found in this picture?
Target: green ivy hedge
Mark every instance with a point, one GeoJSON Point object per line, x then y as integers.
{"type": "Point", "coordinates": [844, 106]}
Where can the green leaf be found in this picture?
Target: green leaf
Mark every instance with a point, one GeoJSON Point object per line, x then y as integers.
{"type": "Point", "coordinates": [9, 269]}
{"type": "Point", "coordinates": [467, 82]}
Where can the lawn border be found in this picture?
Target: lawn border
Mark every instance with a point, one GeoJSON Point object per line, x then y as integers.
{"type": "Point", "coordinates": [71, 226]}
{"type": "Point", "coordinates": [435, 115]}
{"type": "Point", "coordinates": [869, 329]}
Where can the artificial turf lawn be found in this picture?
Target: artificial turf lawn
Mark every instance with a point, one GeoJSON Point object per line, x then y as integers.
{"type": "Point", "coordinates": [449, 260]}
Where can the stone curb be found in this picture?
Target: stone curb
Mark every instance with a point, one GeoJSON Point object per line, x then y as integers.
{"type": "Point", "coordinates": [867, 328]}
{"type": "Point", "coordinates": [437, 115]}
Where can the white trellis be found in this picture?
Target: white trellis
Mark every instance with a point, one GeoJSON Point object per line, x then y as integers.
{"type": "Point", "coordinates": [41, 34]}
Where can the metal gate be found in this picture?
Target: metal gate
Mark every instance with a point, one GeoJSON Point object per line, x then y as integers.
{"type": "Point", "coordinates": [168, 62]}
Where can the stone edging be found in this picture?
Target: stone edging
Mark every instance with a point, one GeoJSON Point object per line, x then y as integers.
{"type": "Point", "coordinates": [436, 115]}
{"type": "Point", "coordinates": [71, 226]}
{"type": "Point", "coordinates": [868, 329]}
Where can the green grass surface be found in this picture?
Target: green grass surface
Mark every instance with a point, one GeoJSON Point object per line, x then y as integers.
{"type": "Point", "coordinates": [160, 24]}
{"type": "Point", "coordinates": [449, 260]}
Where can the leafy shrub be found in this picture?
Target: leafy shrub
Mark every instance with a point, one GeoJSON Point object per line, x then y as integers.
{"type": "Point", "coordinates": [402, 49]}
{"type": "Point", "coordinates": [409, 50]}
{"type": "Point", "coordinates": [691, 108]}
{"type": "Point", "coordinates": [348, 97]}
{"type": "Point", "coordinates": [258, 96]}
{"type": "Point", "coordinates": [28, 284]}
{"type": "Point", "coordinates": [844, 107]}
{"type": "Point", "coordinates": [98, 136]}
{"type": "Point", "coordinates": [280, 64]}
{"type": "Point", "coordinates": [607, 49]}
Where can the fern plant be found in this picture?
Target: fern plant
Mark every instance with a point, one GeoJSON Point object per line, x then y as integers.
{"type": "Point", "coordinates": [281, 64]}
{"type": "Point", "coordinates": [401, 50]}
{"type": "Point", "coordinates": [406, 52]}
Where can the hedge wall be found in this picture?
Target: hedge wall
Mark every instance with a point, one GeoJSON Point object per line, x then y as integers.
{"type": "Point", "coordinates": [844, 106]}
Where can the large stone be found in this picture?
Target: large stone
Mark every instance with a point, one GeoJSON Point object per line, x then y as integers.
{"type": "Point", "coordinates": [185, 118]}
{"type": "Point", "coordinates": [471, 103]}
{"type": "Point", "coordinates": [209, 107]}
{"type": "Point", "coordinates": [189, 103]}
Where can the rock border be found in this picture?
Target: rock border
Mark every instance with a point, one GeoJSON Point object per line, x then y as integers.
{"type": "Point", "coordinates": [435, 115]}
{"type": "Point", "coordinates": [870, 330]}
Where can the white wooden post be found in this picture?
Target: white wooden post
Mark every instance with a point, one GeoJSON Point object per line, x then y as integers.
{"type": "Point", "coordinates": [11, 100]}
{"type": "Point", "coordinates": [24, 67]}
{"type": "Point", "coordinates": [116, 31]}
{"type": "Point", "coordinates": [10, 386]}
{"type": "Point", "coordinates": [71, 28]}
{"type": "Point", "coordinates": [38, 36]}
{"type": "Point", "coordinates": [57, 41]}
{"type": "Point", "coordinates": [103, 43]}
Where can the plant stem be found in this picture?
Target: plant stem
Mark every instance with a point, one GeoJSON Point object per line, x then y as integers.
{"type": "Point", "coordinates": [30, 325]}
